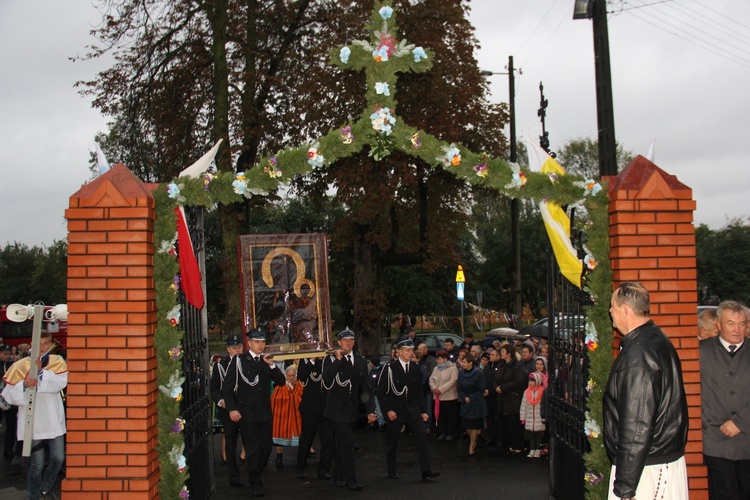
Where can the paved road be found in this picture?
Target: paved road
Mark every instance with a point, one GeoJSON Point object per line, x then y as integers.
{"type": "Point", "coordinates": [486, 475]}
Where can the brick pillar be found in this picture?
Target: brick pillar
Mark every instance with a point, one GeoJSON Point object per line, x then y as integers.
{"type": "Point", "coordinates": [652, 240]}
{"type": "Point", "coordinates": [111, 406]}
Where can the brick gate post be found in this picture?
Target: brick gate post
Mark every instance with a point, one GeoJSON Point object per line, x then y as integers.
{"type": "Point", "coordinates": [652, 240]}
{"type": "Point", "coordinates": [111, 405]}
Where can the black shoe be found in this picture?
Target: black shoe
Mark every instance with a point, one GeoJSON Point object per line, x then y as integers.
{"type": "Point", "coordinates": [339, 482]}
{"type": "Point", "coordinates": [354, 487]}
{"type": "Point", "coordinates": [301, 474]}
{"type": "Point", "coordinates": [429, 475]}
{"type": "Point", "coordinates": [279, 461]}
{"type": "Point", "coordinates": [393, 475]}
{"type": "Point", "coordinates": [258, 489]}
{"type": "Point", "coordinates": [324, 475]}
{"type": "Point", "coordinates": [236, 483]}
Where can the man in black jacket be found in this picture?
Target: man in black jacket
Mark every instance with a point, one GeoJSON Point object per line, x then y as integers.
{"type": "Point", "coordinates": [247, 394]}
{"type": "Point", "coordinates": [402, 401]}
{"type": "Point", "coordinates": [645, 409]}
{"type": "Point", "coordinates": [231, 428]}
{"type": "Point", "coordinates": [311, 408]}
{"type": "Point", "coordinates": [347, 379]}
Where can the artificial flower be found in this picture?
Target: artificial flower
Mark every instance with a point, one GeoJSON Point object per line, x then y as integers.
{"type": "Point", "coordinates": [381, 54]}
{"type": "Point", "coordinates": [382, 88]}
{"type": "Point", "coordinates": [592, 187]}
{"type": "Point", "coordinates": [591, 428]}
{"type": "Point", "coordinates": [344, 54]}
{"type": "Point", "coordinates": [452, 155]}
{"type": "Point", "coordinates": [184, 494]}
{"type": "Point", "coordinates": [346, 135]}
{"type": "Point", "coordinates": [419, 54]}
{"type": "Point", "coordinates": [207, 180]}
{"type": "Point", "coordinates": [314, 158]}
{"type": "Point", "coordinates": [173, 190]}
{"type": "Point", "coordinates": [593, 478]}
{"type": "Point", "coordinates": [591, 385]}
{"type": "Point", "coordinates": [271, 169]}
{"type": "Point", "coordinates": [385, 12]}
{"type": "Point", "coordinates": [416, 142]}
{"type": "Point", "coordinates": [181, 463]}
{"type": "Point", "coordinates": [178, 426]}
{"type": "Point", "coordinates": [590, 262]}
{"type": "Point", "coordinates": [240, 183]}
{"type": "Point", "coordinates": [481, 170]}
{"type": "Point", "coordinates": [383, 121]}
{"type": "Point", "coordinates": [175, 353]}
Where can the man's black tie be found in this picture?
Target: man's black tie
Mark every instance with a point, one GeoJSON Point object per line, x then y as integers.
{"type": "Point", "coordinates": [732, 348]}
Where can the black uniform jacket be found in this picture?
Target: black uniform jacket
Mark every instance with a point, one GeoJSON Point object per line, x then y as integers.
{"type": "Point", "coordinates": [217, 380]}
{"type": "Point", "coordinates": [310, 374]}
{"type": "Point", "coordinates": [247, 387]}
{"type": "Point", "coordinates": [401, 392]}
{"type": "Point", "coordinates": [348, 386]}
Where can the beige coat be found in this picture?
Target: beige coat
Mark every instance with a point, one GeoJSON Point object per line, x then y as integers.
{"type": "Point", "coordinates": [446, 380]}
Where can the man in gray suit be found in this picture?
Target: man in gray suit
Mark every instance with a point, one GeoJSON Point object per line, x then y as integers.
{"type": "Point", "coordinates": [725, 405]}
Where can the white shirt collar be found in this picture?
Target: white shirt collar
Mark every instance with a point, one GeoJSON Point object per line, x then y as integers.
{"type": "Point", "coordinates": [727, 344]}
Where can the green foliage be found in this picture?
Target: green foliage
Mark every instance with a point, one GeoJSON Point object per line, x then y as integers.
{"type": "Point", "coordinates": [581, 157]}
{"type": "Point", "coordinates": [724, 261]}
{"type": "Point", "coordinates": [28, 275]}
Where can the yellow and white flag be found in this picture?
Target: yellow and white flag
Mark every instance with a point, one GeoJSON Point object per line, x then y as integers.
{"type": "Point", "coordinates": [556, 221]}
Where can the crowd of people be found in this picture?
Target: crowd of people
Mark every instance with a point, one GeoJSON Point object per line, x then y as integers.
{"type": "Point", "coordinates": [487, 397]}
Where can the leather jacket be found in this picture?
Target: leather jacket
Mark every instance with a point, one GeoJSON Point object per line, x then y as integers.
{"type": "Point", "coordinates": [645, 408]}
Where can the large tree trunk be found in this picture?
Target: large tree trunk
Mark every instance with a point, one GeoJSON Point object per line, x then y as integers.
{"type": "Point", "coordinates": [368, 300]}
{"type": "Point", "coordinates": [231, 216]}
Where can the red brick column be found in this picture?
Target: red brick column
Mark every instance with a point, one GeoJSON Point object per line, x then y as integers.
{"type": "Point", "coordinates": [652, 241]}
{"type": "Point", "coordinates": [111, 406]}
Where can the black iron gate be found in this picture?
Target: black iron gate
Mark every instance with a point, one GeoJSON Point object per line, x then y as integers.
{"type": "Point", "coordinates": [567, 384]}
{"type": "Point", "coordinates": [195, 406]}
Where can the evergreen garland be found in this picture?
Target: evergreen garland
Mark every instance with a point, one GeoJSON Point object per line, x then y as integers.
{"type": "Point", "coordinates": [380, 129]}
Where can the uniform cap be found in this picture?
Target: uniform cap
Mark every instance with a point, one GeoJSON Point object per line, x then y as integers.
{"type": "Point", "coordinates": [234, 340]}
{"type": "Point", "coordinates": [256, 334]}
{"type": "Point", "coordinates": [345, 334]}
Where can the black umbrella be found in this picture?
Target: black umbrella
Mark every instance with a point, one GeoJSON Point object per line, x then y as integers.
{"type": "Point", "coordinates": [535, 330]}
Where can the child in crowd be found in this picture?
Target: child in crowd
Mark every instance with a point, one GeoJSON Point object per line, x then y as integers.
{"type": "Point", "coordinates": [531, 416]}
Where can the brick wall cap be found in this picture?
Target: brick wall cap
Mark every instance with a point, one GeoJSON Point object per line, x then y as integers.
{"type": "Point", "coordinates": [638, 172]}
{"type": "Point", "coordinates": [119, 177]}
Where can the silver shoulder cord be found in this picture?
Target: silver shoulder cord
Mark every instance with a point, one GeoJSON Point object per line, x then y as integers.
{"type": "Point", "coordinates": [242, 375]}
{"type": "Point", "coordinates": [392, 386]}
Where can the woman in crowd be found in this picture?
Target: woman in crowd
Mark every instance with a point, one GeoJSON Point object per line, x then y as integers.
{"type": "Point", "coordinates": [443, 382]}
{"type": "Point", "coordinates": [471, 394]}
{"type": "Point", "coordinates": [287, 421]}
{"type": "Point", "coordinates": [510, 382]}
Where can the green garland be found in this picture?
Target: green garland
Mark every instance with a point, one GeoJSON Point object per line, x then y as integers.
{"type": "Point", "coordinates": [382, 57]}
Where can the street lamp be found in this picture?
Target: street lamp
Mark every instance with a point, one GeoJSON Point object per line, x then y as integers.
{"type": "Point", "coordinates": [514, 203]}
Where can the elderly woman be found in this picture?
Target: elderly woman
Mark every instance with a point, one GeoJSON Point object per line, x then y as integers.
{"type": "Point", "coordinates": [510, 383]}
{"type": "Point", "coordinates": [443, 383]}
{"type": "Point", "coordinates": [471, 394]}
{"type": "Point", "coordinates": [287, 421]}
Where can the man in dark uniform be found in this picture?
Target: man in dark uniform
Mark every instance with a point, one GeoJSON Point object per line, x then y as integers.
{"type": "Point", "coordinates": [312, 407]}
{"type": "Point", "coordinates": [402, 401]}
{"type": "Point", "coordinates": [247, 394]}
{"type": "Point", "coordinates": [346, 377]}
{"type": "Point", "coordinates": [231, 429]}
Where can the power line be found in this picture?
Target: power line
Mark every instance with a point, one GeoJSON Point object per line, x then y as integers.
{"type": "Point", "coordinates": [722, 14]}
{"type": "Point", "coordinates": [719, 51]}
{"type": "Point", "coordinates": [722, 28]}
{"type": "Point", "coordinates": [568, 15]}
{"type": "Point", "coordinates": [537, 27]}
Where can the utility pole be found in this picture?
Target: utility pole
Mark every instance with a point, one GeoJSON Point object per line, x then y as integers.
{"type": "Point", "coordinates": [596, 10]}
{"type": "Point", "coordinates": [514, 203]}
{"type": "Point", "coordinates": [604, 106]}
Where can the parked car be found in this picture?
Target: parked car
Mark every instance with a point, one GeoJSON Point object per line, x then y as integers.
{"type": "Point", "coordinates": [436, 341]}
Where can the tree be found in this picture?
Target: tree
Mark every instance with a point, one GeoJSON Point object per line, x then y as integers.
{"type": "Point", "coordinates": [166, 91]}
{"type": "Point", "coordinates": [581, 156]}
{"type": "Point", "coordinates": [723, 261]}
{"type": "Point", "coordinates": [36, 274]}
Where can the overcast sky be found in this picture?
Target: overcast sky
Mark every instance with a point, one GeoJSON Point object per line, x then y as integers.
{"type": "Point", "coordinates": [680, 71]}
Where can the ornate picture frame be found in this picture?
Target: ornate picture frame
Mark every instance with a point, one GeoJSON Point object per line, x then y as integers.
{"type": "Point", "coordinates": [284, 286]}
